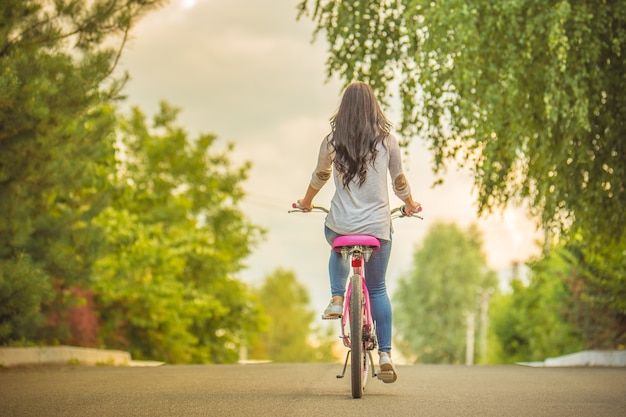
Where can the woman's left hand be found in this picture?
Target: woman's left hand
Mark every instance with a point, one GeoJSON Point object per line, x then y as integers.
{"type": "Point", "coordinates": [304, 205]}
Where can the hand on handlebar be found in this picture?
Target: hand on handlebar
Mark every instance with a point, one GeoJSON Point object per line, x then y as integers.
{"type": "Point", "coordinates": [410, 208]}
{"type": "Point", "coordinates": [403, 212]}
{"type": "Point", "coordinates": [298, 208]}
{"type": "Point", "coordinates": [304, 207]}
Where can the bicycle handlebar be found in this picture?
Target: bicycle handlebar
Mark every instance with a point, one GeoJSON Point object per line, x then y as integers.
{"type": "Point", "coordinates": [395, 213]}
{"type": "Point", "coordinates": [399, 212]}
{"type": "Point", "coordinates": [297, 209]}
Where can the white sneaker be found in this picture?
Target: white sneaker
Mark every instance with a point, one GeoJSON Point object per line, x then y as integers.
{"type": "Point", "coordinates": [387, 372]}
{"type": "Point", "coordinates": [333, 311]}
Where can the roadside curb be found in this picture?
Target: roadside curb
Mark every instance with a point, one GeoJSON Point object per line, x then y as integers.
{"type": "Point", "coordinates": [609, 358]}
{"type": "Point", "coordinates": [67, 355]}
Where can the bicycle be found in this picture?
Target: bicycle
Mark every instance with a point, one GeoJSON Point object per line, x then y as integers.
{"type": "Point", "coordinates": [358, 329]}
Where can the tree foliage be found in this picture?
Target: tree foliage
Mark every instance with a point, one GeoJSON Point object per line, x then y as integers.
{"type": "Point", "coordinates": [56, 135]}
{"type": "Point", "coordinates": [175, 238]}
{"type": "Point", "coordinates": [558, 311]}
{"type": "Point", "coordinates": [534, 321]}
{"type": "Point", "coordinates": [432, 301]}
{"type": "Point", "coordinates": [289, 336]}
{"type": "Point", "coordinates": [530, 94]}
{"type": "Point", "coordinates": [135, 247]}
{"type": "Point", "coordinates": [597, 283]}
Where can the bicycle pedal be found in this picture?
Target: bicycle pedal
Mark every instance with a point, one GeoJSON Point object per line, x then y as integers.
{"type": "Point", "coordinates": [385, 375]}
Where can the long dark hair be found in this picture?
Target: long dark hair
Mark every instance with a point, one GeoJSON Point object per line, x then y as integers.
{"type": "Point", "coordinates": [357, 127]}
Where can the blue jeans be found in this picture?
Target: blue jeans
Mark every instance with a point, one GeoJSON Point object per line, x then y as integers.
{"type": "Point", "coordinates": [375, 271]}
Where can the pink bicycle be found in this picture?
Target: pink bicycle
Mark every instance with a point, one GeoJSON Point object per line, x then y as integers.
{"type": "Point", "coordinates": [358, 329]}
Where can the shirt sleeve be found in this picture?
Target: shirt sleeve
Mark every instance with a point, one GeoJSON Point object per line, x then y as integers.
{"type": "Point", "coordinates": [401, 187]}
{"type": "Point", "coordinates": [324, 167]}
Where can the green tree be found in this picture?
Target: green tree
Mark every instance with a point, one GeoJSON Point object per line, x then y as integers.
{"type": "Point", "coordinates": [288, 337]}
{"type": "Point", "coordinates": [56, 135]}
{"type": "Point", "coordinates": [598, 292]}
{"type": "Point", "coordinates": [529, 94]}
{"type": "Point", "coordinates": [166, 288]}
{"type": "Point", "coordinates": [432, 302]}
{"type": "Point", "coordinates": [538, 320]}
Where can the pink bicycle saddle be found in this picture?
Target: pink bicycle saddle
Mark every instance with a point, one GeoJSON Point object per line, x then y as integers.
{"type": "Point", "coordinates": [356, 240]}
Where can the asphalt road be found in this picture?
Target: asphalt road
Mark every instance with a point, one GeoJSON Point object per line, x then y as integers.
{"type": "Point", "coordinates": [310, 390]}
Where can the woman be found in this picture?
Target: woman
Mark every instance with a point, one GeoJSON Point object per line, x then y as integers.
{"type": "Point", "coordinates": [362, 150]}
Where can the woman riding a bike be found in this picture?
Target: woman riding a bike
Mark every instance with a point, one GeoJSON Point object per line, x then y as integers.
{"type": "Point", "coordinates": [358, 153]}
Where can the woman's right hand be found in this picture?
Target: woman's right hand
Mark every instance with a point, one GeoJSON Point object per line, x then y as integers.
{"type": "Point", "coordinates": [411, 207]}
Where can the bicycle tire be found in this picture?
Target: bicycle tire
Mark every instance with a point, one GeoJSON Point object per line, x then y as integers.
{"type": "Point", "coordinates": [358, 356]}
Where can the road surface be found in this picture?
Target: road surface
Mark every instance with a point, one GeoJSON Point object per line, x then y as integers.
{"type": "Point", "coordinates": [310, 390]}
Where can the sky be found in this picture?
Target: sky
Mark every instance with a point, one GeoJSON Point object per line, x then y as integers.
{"type": "Point", "coordinates": [249, 73]}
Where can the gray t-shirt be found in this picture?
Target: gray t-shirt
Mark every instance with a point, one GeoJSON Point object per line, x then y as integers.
{"type": "Point", "coordinates": [365, 209]}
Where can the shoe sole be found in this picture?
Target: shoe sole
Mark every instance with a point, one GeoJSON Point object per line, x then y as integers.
{"type": "Point", "coordinates": [387, 373]}
{"type": "Point", "coordinates": [331, 317]}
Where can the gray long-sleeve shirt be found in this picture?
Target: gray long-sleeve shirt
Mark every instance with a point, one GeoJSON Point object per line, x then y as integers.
{"type": "Point", "coordinates": [364, 209]}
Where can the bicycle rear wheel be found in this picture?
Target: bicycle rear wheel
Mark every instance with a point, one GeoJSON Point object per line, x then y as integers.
{"type": "Point", "coordinates": [358, 364]}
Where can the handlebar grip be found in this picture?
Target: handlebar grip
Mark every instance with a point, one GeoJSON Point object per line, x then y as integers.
{"type": "Point", "coordinates": [402, 210]}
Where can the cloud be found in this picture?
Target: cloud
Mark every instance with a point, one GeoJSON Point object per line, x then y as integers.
{"type": "Point", "coordinates": [236, 66]}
